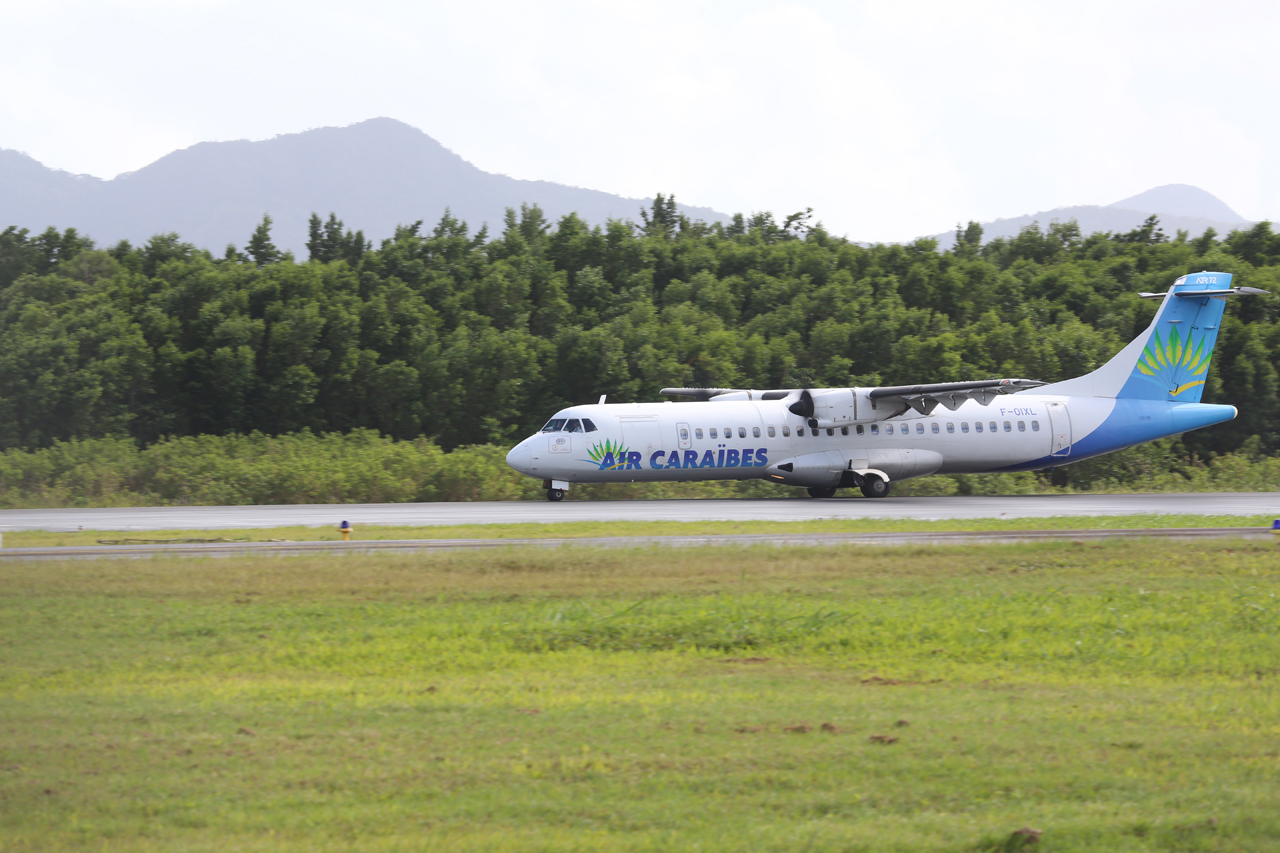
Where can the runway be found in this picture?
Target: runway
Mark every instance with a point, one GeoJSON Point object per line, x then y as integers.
{"type": "Point", "coordinates": [516, 512]}
{"type": "Point", "coordinates": [293, 549]}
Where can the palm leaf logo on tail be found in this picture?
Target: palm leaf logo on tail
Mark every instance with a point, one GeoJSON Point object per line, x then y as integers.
{"type": "Point", "coordinates": [1173, 364]}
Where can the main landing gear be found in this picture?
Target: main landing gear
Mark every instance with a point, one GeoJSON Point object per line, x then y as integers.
{"type": "Point", "coordinates": [874, 487]}
{"type": "Point", "coordinates": [821, 491]}
{"type": "Point", "coordinates": [555, 494]}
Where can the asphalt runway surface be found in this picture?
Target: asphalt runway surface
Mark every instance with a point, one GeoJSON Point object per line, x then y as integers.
{"type": "Point", "coordinates": [286, 549]}
{"type": "Point", "coordinates": [515, 512]}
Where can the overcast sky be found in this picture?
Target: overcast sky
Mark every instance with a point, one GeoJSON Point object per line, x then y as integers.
{"type": "Point", "coordinates": [889, 119]}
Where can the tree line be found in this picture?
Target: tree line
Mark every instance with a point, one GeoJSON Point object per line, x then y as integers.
{"type": "Point", "coordinates": [470, 338]}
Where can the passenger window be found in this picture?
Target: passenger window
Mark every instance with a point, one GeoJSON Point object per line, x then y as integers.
{"type": "Point", "coordinates": [728, 432]}
{"type": "Point", "coordinates": [800, 431]}
{"type": "Point", "coordinates": [772, 434]}
{"type": "Point", "coordinates": [1035, 426]}
{"type": "Point", "coordinates": [1022, 426]}
{"type": "Point", "coordinates": [920, 429]}
{"type": "Point", "coordinates": [742, 432]}
{"type": "Point", "coordinates": [888, 429]}
{"type": "Point", "coordinates": [993, 426]}
{"type": "Point", "coordinates": [844, 430]}
{"type": "Point", "coordinates": [574, 425]}
{"type": "Point", "coordinates": [875, 429]}
{"type": "Point", "coordinates": [587, 425]}
{"type": "Point", "coordinates": [935, 427]}
{"type": "Point", "coordinates": [831, 432]}
{"type": "Point", "coordinates": [554, 425]}
{"type": "Point", "coordinates": [1008, 427]}
{"type": "Point", "coordinates": [977, 427]}
{"type": "Point", "coordinates": [951, 426]}
{"type": "Point", "coordinates": [755, 432]}
{"type": "Point", "coordinates": [859, 429]}
{"type": "Point", "coordinates": [713, 432]}
{"type": "Point", "coordinates": [786, 431]}
{"type": "Point", "coordinates": [697, 433]}
{"type": "Point", "coordinates": [964, 426]}
{"type": "Point", "coordinates": [684, 434]}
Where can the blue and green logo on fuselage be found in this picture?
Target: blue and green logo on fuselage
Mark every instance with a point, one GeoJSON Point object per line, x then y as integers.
{"type": "Point", "coordinates": [614, 456]}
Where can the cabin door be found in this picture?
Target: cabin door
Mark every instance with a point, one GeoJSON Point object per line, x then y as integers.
{"type": "Point", "coordinates": [683, 436]}
{"type": "Point", "coordinates": [1059, 429]}
{"type": "Point", "coordinates": [641, 434]}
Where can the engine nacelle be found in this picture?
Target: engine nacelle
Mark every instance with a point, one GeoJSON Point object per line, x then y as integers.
{"type": "Point", "coordinates": [835, 406]}
{"type": "Point", "coordinates": [826, 408]}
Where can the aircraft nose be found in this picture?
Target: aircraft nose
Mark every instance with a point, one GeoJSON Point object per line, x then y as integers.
{"type": "Point", "coordinates": [518, 458]}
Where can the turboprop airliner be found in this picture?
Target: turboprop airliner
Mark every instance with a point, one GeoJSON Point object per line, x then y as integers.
{"type": "Point", "coordinates": [823, 439]}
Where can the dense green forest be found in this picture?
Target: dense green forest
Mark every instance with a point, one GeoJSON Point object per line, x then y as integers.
{"type": "Point", "coordinates": [467, 338]}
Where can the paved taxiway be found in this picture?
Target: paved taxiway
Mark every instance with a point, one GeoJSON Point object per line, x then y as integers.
{"type": "Point", "coordinates": [514, 512]}
{"type": "Point", "coordinates": [262, 549]}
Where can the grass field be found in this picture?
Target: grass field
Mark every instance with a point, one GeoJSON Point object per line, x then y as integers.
{"type": "Point", "coordinates": [1113, 696]}
{"type": "Point", "coordinates": [581, 529]}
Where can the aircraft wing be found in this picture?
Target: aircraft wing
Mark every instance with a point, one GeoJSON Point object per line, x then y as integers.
{"type": "Point", "coordinates": [697, 393]}
{"type": "Point", "coordinates": [925, 398]}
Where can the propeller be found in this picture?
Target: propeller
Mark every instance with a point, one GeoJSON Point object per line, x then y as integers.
{"type": "Point", "coordinates": [804, 408]}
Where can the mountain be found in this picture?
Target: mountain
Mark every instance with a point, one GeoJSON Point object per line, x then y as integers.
{"type": "Point", "coordinates": [375, 175]}
{"type": "Point", "coordinates": [1180, 207]}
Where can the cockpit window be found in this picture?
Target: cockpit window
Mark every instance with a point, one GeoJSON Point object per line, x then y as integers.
{"type": "Point", "coordinates": [573, 425]}
{"type": "Point", "coordinates": [554, 425]}
{"type": "Point", "coordinates": [587, 425]}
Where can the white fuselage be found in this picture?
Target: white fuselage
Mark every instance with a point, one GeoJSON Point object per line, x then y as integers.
{"type": "Point", "coordinates": [751, 439]}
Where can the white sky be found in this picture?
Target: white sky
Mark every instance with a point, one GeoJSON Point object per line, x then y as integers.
{"type": "Point", "coordinates": [891, 119]}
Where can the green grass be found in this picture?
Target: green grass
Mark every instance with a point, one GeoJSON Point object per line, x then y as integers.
{"type": "Point", "coordinates": [581, 529]}
{"type": "Point", "coordinates": [1115, 695]}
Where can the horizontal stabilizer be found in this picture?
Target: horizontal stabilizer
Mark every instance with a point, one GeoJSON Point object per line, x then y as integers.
{"type": "Point", "coordinates": [1200, 294]}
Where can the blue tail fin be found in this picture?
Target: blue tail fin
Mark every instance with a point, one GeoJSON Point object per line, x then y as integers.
{"type": "Point", "coordinates": [1170, 359]}
{"type": "Point", "coordinates": [1174, 362]}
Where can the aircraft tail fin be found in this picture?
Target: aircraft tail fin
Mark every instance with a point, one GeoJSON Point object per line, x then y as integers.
{"type": "Point", "coordinates": [1170, 359]}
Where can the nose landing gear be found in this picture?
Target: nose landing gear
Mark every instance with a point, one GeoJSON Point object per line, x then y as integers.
{"type": "Point", "coordinates": [555, 494]}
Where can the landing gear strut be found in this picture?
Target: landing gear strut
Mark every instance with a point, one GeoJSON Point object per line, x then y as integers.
{"type": "Point", "coordinates": [555, 494]}
{"type": "Point", "coordinates": [821, 491]}
{"type": "Point", "coordinates": [874, 487]}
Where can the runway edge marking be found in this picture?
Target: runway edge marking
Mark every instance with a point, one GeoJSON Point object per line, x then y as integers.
{"type": "Point", "coordinates": [64, 552]}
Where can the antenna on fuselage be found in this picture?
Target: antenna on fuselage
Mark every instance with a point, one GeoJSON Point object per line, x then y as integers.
{"type": "Point", "coordinates": [602, 396]}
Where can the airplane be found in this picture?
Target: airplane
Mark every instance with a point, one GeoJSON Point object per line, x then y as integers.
{"type": "Point", "coordinates": [823, 439]}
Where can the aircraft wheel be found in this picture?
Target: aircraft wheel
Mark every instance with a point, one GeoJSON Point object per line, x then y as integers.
{"type": "Point", "coordinates": [874, 487]}
{"type": "Point", "coordinates": [822, 492]}
{"type": "Point", "coordinates": [555, 494]}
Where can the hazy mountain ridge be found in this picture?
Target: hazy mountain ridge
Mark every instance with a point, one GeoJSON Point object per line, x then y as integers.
{"type": "Point", "coordinates": [1180, 207]}
{"type": "Point", "coordinates": [381, 173]}
{"type": "Point", "coordinates": [375, 175]}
